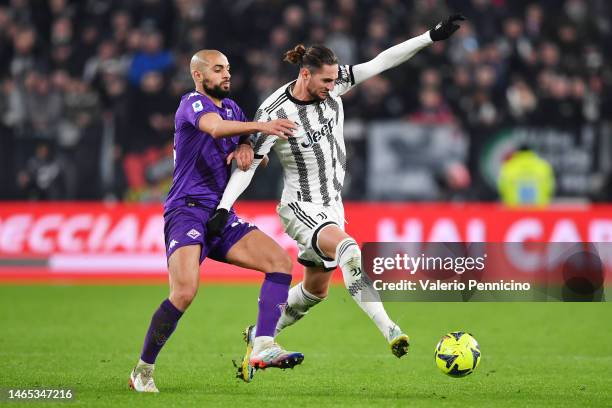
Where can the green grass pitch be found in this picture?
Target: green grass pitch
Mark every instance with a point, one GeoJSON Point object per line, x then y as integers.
{"type": "Point", "coordinates": [89, 337]}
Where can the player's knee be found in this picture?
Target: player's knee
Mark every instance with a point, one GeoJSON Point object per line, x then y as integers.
{"type": "Point", "coordinates": [347, 248]}
{"type": "Point", "coordinates": [281, 262]}
{"type": "Point", "coordinates": [182, 296]}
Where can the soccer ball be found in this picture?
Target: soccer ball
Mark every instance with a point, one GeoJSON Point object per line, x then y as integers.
{"type": "Point", "coordinates": [457, 354]}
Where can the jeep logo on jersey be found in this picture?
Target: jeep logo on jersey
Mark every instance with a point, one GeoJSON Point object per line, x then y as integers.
{"type": "Point", "coordinates": [314, 136]}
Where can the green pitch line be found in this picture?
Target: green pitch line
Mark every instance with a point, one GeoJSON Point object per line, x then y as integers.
{"type": "Point", "coordinates": [87, 338]}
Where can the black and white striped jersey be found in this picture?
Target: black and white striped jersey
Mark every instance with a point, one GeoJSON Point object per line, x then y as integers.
{"type": "Point", "coordinates": [314, 159]}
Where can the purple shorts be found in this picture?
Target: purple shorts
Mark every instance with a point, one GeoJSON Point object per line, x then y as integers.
{"type": "Point", "coordinates": [186, 225]}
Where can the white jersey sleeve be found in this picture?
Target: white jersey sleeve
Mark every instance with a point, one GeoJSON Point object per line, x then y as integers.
{"type": "Point", "coordinates": [262, 143]}
{"type": "Point", "coordinates": [391, 57]}
{"type": "Point", "coordinates": [240, 180]}
{"type": "Point", "coordinates": [345, 80]}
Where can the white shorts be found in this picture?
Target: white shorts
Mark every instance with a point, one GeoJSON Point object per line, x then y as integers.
{"type": "Point", "coordinates": [302, 221]}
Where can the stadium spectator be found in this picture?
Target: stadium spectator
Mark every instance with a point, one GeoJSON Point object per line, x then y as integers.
{"type": "Point", "coordinates": [151, 134]}
{"type": "Point", "coordinates": [433, 109]}
{"type": "Point", "coordinates": [526, 179]}
{"type": "Point", "coordinates": [41, 178]}
{"type": "Point", "coordinates": [37, 107]}
{"type": "Point", "coordinates": [521, 101]}
{"type": "Point", "coordinates": [6, 140]}
{"type": "Point", "coordinates": [25, 55]}
{"type": "Point", "coordinates": [79, 140]}
{"type": "Point", "coordinates": [150, 57]}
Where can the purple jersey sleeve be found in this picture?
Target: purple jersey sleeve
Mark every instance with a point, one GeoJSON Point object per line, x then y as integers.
{"type": "Point", "coordinates": [198, 106]}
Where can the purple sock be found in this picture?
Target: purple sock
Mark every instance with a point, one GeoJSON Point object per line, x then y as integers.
{"type": "Point", "coordinates": [162, 325]}
{"type": "Point", "coordinates": [272, 297]}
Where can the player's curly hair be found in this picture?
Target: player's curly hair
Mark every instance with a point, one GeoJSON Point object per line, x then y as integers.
{"type": "Point", "coordinates": [312, 57]}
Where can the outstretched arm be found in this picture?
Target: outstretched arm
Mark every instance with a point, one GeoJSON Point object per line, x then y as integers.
{"type": "Point", "coordinates": [217, 127]}
{"type": "Point", "coordinates": [238, 182]}
{"type": "Point", "coordinates": [402, 52]}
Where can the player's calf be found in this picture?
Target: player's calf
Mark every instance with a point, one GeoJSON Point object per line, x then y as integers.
{"type": "Point", "coordinates": [163, 323]}
{"type": "Point", "coordinates": [299, 303]}
{"type": "Point", "coordinates": [272, 298]}
{"type": "Point", "coordinates": [184, 278]}
{"type": "Point", "coordinates": [348, 256]}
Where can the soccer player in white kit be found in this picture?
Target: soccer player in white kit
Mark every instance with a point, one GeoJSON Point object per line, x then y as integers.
{"type": "Point", "coordinates": [314, 164]}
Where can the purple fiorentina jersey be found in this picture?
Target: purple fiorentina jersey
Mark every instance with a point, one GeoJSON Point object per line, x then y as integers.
{"type": "Point", "coordinates": [200, 169]}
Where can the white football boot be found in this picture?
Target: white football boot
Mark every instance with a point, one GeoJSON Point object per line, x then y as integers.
{"type": "Point", "coordinates": [141, 378]}
{"type": "Point", "coordinates": [275, 356]}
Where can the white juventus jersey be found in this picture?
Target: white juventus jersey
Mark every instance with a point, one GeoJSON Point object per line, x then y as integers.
{"type": "Point", "coordinates": [314, 159]}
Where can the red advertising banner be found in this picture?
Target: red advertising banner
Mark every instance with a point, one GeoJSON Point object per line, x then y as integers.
{"type": "Point", "coordinates": [125, 241]}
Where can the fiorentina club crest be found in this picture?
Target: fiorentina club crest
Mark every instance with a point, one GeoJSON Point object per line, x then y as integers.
{"type": "Point", "coordinates": [193, 234]}
{"type": "Point", "coordinates": [229, 112]}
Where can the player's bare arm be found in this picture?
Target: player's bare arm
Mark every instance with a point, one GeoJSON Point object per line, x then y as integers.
{"type": "Point", "coordinates": [214, 125]}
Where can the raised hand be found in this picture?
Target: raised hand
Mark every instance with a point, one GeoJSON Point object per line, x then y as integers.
{"type": "Point", "coordinates": [446, 28]}
{"type": "Point", "coordinates": [282, 128]}
{"type": "Point", "coordinates": [216, 223]}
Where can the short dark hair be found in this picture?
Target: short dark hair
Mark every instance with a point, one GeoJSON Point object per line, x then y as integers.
{"type": "Point", "coordinates": [312, 57]}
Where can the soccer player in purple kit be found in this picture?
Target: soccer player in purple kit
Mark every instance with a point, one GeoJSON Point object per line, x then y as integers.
{"type": "Point", "coordinates": [210, 131]}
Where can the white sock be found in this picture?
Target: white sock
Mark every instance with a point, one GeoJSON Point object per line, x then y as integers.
{"type": "Point", "coordinates": [348, 256]}
{"type": "Point", "coordinates": [262, 343]}
{"type": "Point", "coordinates": [299, 302]}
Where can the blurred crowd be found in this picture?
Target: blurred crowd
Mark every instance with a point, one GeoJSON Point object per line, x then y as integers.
{"type": "Point", "coordinates": [88, 88]}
